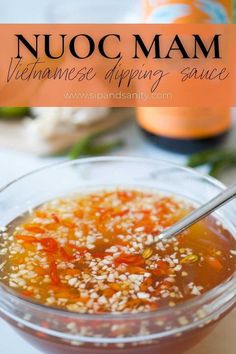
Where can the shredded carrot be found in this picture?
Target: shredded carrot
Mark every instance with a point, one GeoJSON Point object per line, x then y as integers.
{"type": "Point", "coordinates": [51, 226]}
{"type": "Point", "coordinates": [40, 214]}
{"type": "Point", "coordinates": [26, 238]}
{"type": "Point", "coordinates": [109, 292]}
{"type": "Point", "coordinates": [85, 229]}
{"type": "Point", "coordinates": [54, 274]}
{"type": "Point", "coordinates": [119, 213]}
{"type": "Point", "coordinates": [136, 260]}
{"type": "Point", "coordinates": [100, 254]}
{"type": "Point", "coordinates": [27, 293]}
{"type": "Point", "coordinates": [79, 213]}
{"type": "Point", "coordinates": [68, 223]}
{"type": "Point", "coordinates": [35, 228]}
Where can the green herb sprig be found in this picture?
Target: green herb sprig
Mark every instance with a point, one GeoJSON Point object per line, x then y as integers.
{"type": "Point", "coordinates": [218, 160]}
{"type": "Point", "coordinates": [89, 146]}
{"type": "Point", "coordinates": [13, 112]}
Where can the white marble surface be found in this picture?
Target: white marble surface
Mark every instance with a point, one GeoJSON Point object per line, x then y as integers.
{"type": "Point", "coordinates": [15, 163]}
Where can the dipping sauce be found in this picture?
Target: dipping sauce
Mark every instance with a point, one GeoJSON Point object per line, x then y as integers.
{"type": "Point", "coordinates": [99, 252]}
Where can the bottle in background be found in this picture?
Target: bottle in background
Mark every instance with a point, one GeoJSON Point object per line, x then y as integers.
{"type": "Point", "coordinates": [186, 129]}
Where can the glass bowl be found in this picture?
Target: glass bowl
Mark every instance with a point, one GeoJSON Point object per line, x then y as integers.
{"type": "Point", "coordinates": [62, 332]}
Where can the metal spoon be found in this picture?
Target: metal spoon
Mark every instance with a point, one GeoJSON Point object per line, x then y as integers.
{"type": "Point", "coordinates": [198, 214]}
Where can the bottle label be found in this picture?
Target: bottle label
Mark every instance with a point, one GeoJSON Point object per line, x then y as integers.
{"type": "Point", "coordinates": [185, 122]}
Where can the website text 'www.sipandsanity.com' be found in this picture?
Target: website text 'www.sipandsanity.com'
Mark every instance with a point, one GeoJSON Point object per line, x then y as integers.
{"type": "Point", "coordinates": [122, 96]}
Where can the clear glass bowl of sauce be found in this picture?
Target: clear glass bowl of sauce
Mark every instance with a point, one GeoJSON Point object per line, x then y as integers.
{"type": "Point", "coordinates": [154, 316]}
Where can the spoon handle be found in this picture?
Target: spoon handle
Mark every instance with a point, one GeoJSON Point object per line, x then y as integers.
{"type": "Point", "coordinates": [198, 214]}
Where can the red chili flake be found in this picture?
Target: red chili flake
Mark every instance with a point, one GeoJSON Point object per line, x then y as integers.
{"type": "Point", "coordinates": [145, 212]}
{"type": "Point", "coordinates": [85, 229]}
{"type": "Point", "coordinates": [104, 213]}
{"type": "Point", "coordinates": [135, 270]}
{"type": "Point", "coordinates": [153, 305]}
{"type": "Point", "coordinates": [101, 309]}
{"type": "Point", "coordinates": [53, 273]}
{"type": "Point", "coordinates": [81, 250]}
{"type": "Point", "coordinates": [55, 218]}
{"type": "Point", "coordinates": [120, 213]}
{"type": "Point", "coordinates": [166, 284]}
{"type": "Point", "coordinates": [162, 207]}
{"type": "Point", "coordinates": [49, 244]}
{"type": "Point", "coordinates": [149, 227]}
{"type": "Point", "coordinates": [125, 196]}
{"type": "Point", "coordinates": [162, 269]}
{"type": "Point", "coordinates": [135, 259]}
{"type": "Point", "coordinates": [65, 254]}
{"type": "Point", "coordinates": [35, 228]}
{"type": "Point", "coordinates": [68, 223]}
{"type": "Point", "coordinates": [214, 263]}
{"type": "Point", "coordinates": [27, 293]}
{"type": "Point", "coordinates": [134, 303]}
{"type": "Point", "coordinates": [119, 242]}
{"type": "Point", "coordinates": [109, 292]}
{"type": "Point", "coordinates": [101, 254]}
{"type": "Point", "coordinates": [146, 284]}
{"type": "Point", "coordinates": [79, 213]}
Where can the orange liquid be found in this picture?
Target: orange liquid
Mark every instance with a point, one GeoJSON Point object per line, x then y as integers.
{"type": "Point", "coordinates": [95, 253]}
{"type": "Point", "coordinates": [77, 253]}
